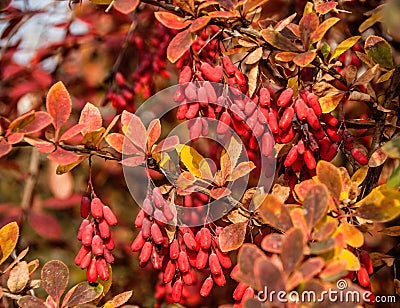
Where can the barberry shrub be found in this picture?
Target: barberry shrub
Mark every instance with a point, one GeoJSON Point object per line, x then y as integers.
{"type": "Point", "coordinates": [286, 179]}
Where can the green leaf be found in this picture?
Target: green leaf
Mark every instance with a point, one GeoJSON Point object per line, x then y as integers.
{"type": "Point", "coordinates": [8, 239]}
{"type": "Point", "coordinates": [382, 204]}
{"type": "Point", "coordinates": [379, 50]}
{"type": "Point", "coordinates": [344, 46]}
{"type": "Point", "coordinates": [394, 180]}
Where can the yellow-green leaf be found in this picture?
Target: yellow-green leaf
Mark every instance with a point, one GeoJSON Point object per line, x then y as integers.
{"type": "Point", "coordinates": [379, 50]}
{"type": "Point", "coordinates": [193, 160]}
{"type": "Point", "coordinates": [8, 239]}
{"type": "Point", "coordinates": [345, 45]}
{"type": "Point", "coordinates": [352, 262]}
{"type": "Point", "coordinates": [329, 103]}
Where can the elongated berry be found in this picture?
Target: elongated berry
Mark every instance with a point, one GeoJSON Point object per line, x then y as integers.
{"type": "Point", "coordinates": [102, 269]}
{"type": "Point", "coordinates": [300, 109]}
{"type": "Point", "coordinates": [91, 273]}
{"type": "Point", "coordinates": [139, 219]}
{"type": "Point", "coordinates": [182, 109]}
{"type": "Point", "coordinates": [362, 277]}
{"type": "Point", "coordinates": [96, 208]}
{"type": "Point", "coordinates": [84, 223]}
{"type": "Point", "coordinates": [183, 262]}
{"type": "Point", "coordinates": [174, 249]}
{"type": "Point", "coordinates": [273, 123]}
{"type": "Point", "coordinates": [224, 122]}
{"type": "Point", "coordinates": [97, 245]}
{"type": "Point", "coordinates": [219, 279]}
{"type": "Point", "coordinates": [85, 207]}
{"type": "Point", "coordinates": [169, 271]}
{"type": "Point", "coordinates": [81, 254]}
{"type": "Point", "coordinates": [145, 254]}
{"type": "Point", "coordinates": [237, 113]}
{"type": "Point", "coordinates": [205, 238]}
{"type": "Point", "coordinates": [366, 260]}
{"type": "Point", "coordinates": [300, 147]}
{"type": "Point", "coordinates": [138, 242]}
{"type": "Point", "coordinates": [223, 259]}
{"type": "Point", "coordinates": [230, 68]}
{"type": "Point", "coordinates": [359, 156]}
{"type": "Point", "coordinates": [87, 235]}
{"type": "Point", "coordinates": [169, 215]}
{"type": "Point", "coordinates": [202, 258]}
{"type": "Point", "coordinates": [156, 234]}
{"type": "Point", "coordinates": [109, 243]}
{"type": "Point", "coordinates": [108, 256]}
{"type": "Point", "coordinates": [146, 227]}
{"type": "Point", "coordinates": [330, 120]}
{"type": "Point", "coordinates": [179, 95]}
{"type": "Point", "coordinates": [213, 74]}
{"type": "Point", "coordinates": [248, 293]}
{"type": "Point", "coordinates": [333, 134]}
{"type": "Point", "coordinates": [188, 278]}
{"type": "Point", "coordinates": [177, 291]}
{"type": "Point", "coordinates": [212, 96]}
{"type": "Point", "coordinates": [156, 259]}
{"type": "Point", "coordinates": [147, 207]}
{"type": "Point", "coordinates": [109, 216]}
{"type": "Point", "coordinates": [196, 129]}
{"type": "Point", "coordinates": [192, 110]}
{"type": "Point", "coordinates": [85, 262]}
{"type": "Point", "coordinates": [190, 241]}
{"type": "Point", "coordinates": [265, 97]}
{"type": "Point", "coordinates": [312, 119]}
{"type": "Point", "coordinates": [285, 98]}
{"type": "Point", "coordinates": [214, 264]}
{"type": "Point", "coordinates": [287, 135]}
{"type": "Point", "coordinates": [206, 287]}
{"type": "Point", "coordinates": [313, 102]}
{"type": "Point", "coordinates": [309, 159]}
{"type": "Point", "coordinates": [239, 291]}
{"type": "Point", "coordinates": [202, 97]}
{"type": "Point", "coordinates": [331, 153]}
{"type": "Point", "coordinates": [291, 156]}
{"type": "Point", "coordinates": [185, 75]}
{"type": "Point", "coordinates": [104, 229]}
{"type": "Point", "coordinates": [286, 118]}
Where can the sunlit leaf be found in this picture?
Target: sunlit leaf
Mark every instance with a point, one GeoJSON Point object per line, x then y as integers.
{"type": "Point", "coordinates": [352, 262]}
{"type": "Point", "coordinates": [171, 20]}
{"type": "Point", "coordinates": [302, 188]}
{"type": "Point", "coordinates": [329, 175]}
{"type": "Point", "coordinates": [22, 121]}
{"type": "Point", "coordinates": [241, 170]}
{"type": "Point", "coordinates": [200, 23]}
{"type": "Point", "coordinates": [58, 105]}
{"type": "Point", "coordinates": [329, 103]}
{"type": "Point", "coordinates": [359, 176]}
{"type": "Point", "coordinates": [254, 56]}
{"type": "Point", "coordinates": [319, 33]}
{"type": "Point", "coordinates": [91, 118]}
{"type": "Point", "coordinates": [315, 204]}
{"type": "Point", "coordinates": [136, 132]}
{"type": "Point", "coordinates": [186, 5]}
{"type": "Point", "coordinates": [83, 293]}
{"type": "Point", "coordinates": [250, 5]}
{"type": "Point", "coordinates": [379, 50]}
{"type": "Point", "coordinates": [29, 301]}
{"type": "Point", "coordinates": [8, 239]}
{"type": "Point", "coordinates": [277, 40]}
{"type": "Point", "coordinates": [167, 144]}
{"type": "Point", "coordinates": [344, 46]}
{"type": "Point", "coordinates": [377, 158]}
{"type": "Point", "coordinates": [307, 26]}
{"type": "Point", "coordinates": [382, 204]}
{"type": "Point", "coordinates": [386, 76]}
{"type": "Point", "coordinates": [55, 277]}
{"type": "Point", "coordinates": [63, 157]}
{"type": "Point", "coordinates": [91, 139]}
{"type": "Point", "coordinates": [72, 132]}
{"type": "Point", "coordinates": [394, 180]}
{"type": "Point", "coordinates": [61, 169]}
{"type": "Point", "coordinates": [322, 247]}
{"type": "Point", "coordinates": [392, 148]}
{"type": "Point", "coordinates": [120, 299]}
{"type": "Point", "coordinates": [368, 75]}
{"type": "Point", "coordinates": [232, 236]}
{"type": "Point", "coordinates": [126, 6]}
{"type": "Point", "coordinates": [18, 278]}
{"type": "Point", "coordinates": [192, 160]}
{"type": "Point", "coordinates": [133, 161]}
{"type": "Point", "coordinates": [352, 235]}
{"type": "Point", "coordinates": [305, 58]}
{"type": "Point", "coordinates": [153, 133]}
{"type": "Point", "coordinates": [179, 45]}
{"type": "Point", "coordinates": [325, 7]}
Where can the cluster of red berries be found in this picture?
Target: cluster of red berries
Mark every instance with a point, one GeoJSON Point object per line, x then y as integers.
{"type": "Point", "coordinates": [122, 98]}
{"type": "Point", "coordinates": [95, 235]}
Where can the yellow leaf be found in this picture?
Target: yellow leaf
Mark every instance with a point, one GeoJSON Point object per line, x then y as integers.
{"type": "Point", "coordinates": [345, 45]}
{"type": "Point", "coordinates": [91, 138]}
{"type": "Point", "coordinates": [352, 236]}
{"type": "Point", "coordinates": [193, 161]}
{"type": "Point", "coordinates": [61, 169]}
{"type": "Point", "coordinates": [329, 103]}
{"type": "Point", "coordinates": [359, 176]}
{"type": "Point", "coordinates": [353, 264]}
{"type": "Point", "coordinates": [8, 239]}
{"type": "Point", "coordinates": [101, 2]}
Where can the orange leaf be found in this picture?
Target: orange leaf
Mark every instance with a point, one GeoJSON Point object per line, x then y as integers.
{"type": "Point", "coordinates": [8, 239]}
{"type": "Point", "coordinates": [72, 132]}
{"type": "Point", "coordinates": [322, 29]}
{"type": "Point", "coordinates": [5, 147]}
{"type": "Point", "coordinates": [63, 157]}
{"type": "Point", "coordinates": [305, 58]}
{"type": "Point", "coordinates": [126, 6]}
{"type": "Point", "coordinates": [167, 144]}
{"type": "Point", "coordinates": [91, 118]}
{"type": "Point", "coordinates": [153, 133]}
{"type": "Point", "coordinates": [133, 161]}
{"type": "Point", "coordinates": [59, 105]}
{"type": "Point", "coordinates": [241, 170]}
{"type": "Point", "coordinates": [330, 175]}
{"type": "Point", "coordinates": [325, 7]}
{"type": "Point", "coordinates": [22, 121]}
{"type": "Point", "coordinates": [116, 141]}
{"type": "Point", "coordinates": [232, 237]}
{"type": "Point", "coordinates": [179, 45]}
{"type": "Point", "coordinates": [285, 56]}
{"type": "Point", "coordinates": [136, 132]}
{"type": "Point", "coordinates": [307, 26]}
{"type": "Point", "coordinates": [199, 23]}
{"type": "Point", "coordinates": [41, 121]}
{"type": "Point", "coordinates": [219, 193]}
{"type": "Point", "coordinates": [171, 21]}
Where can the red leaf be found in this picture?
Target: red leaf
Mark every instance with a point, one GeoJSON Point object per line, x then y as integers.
{"type": "Point", "coordinates": [22, 121]}
{"type": "Point", "coordinates": [55, 275]}
{"type": "Point", "coordinates": [308, 24]}
{"type": "Point", "coordinates": [200, 23]}
{"type": "Point", "coordinates": [59, 204]}
{"type": "Point", "coordinates": [91, 118]}
{"type": "Point", "coordinates": [45, 225]}
{"type": "Point", "coordinates": [171, 21]}
{"type": "Point", "coordinates": [5, 148]}
{"type": "Point", "coordinates": [126, 117]}
{"type": "Point", "coordinates": [41, 121]}
{"type": "Point", "coordinates": [153, 133]}
{"type": "Point", "coordinates": [133, 161]}
{"type": "Point", "coordinates": [219, 193]}
{"type": "Point", "coordinates": [179, 45]}
{"type": "Point", "coordinates": [59, 105]}
{"type": "Point", "coordinates": [325, 7]}
{"type": "Point", "coordinates": [42, 145]}
{"type": "Point", "coordinates": [15, 138]}
{"type": "Point", "coordinates": [136, 132]}
{"type": "Point", "coordinates": [63, 157]}
{"type": "Point", "coordinates": [116, 141]}
{"type": "Point", "coordinates": [126, 6]}
{"type": "Point", "coordinates": [72, 132]}
{"type": "Point", "coordinates": [167, 144]}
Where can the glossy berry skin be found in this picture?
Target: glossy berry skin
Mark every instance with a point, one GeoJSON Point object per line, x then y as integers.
{"type": "Point", "coordinates": [206, 287]}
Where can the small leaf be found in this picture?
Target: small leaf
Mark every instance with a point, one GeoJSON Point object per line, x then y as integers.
{"type": "Point", "coordinates": [329, 103]}
{"type": "Point", "coordinates": [116, 141]}
{"type": "Point", "coordinates": [285, 56]}
{"type": "Point", "coordinates": [83, 293]}
{"type": "Point", "coordinates": [171, 20]}
{"type": "Point", "coordinates": [277, 40]}
{"type": "Point", "coordinates": [72, 132]}
{"type": "Point", "coordinates": [91, 118]}
{"type": "Point", "coordinates": [91, 139]}
{"type": "Point", "coordinates": [307, 26]}
{"type": "Point", "coordinates": [185, 179]}
{"type": "Point", "coordinates": [133, 161]}
{"type": "Point", "coordinates": [63, 157]}
{"type": "Point", "coordinates": [352, 235]}
{"type": "Point", "coordinates": [247, 256]}
{"type": "Point", "coordinates": [120, 299]}
{"type": "Point", "coordinates": [377, 158]}
{"type": "Point", "coordinates": [167, 144]}
{"type": "Point", "coordinates": [379, 50]}
{"type": "Point", "coordinates": [136, 132]}
{"type": "Point", "coordinates": [352, 262]}
{"type": "Point", "coordinates": [325, 7]}
{"type": "Point", "coordinates": [153, 133]}
{"type": "Point", "coordinates": [344, 46]}
{"type": "Point", "coordinates": [55, 276]}
{"type": "Point", "coordinates": [59, 105]}
{"type": "Point", "coordinates": [311, 267]}
{"type": "Point", "coordinates": [193, 160]}
{"type": "Point", "coordinates": [267, 274]}
{"type": "Point", "coordinates": [251, 5]}
{"type": "Point", "coordinates": [391, 231]}
{"type": "Point", "coordinates": [186, 5]}
{"type": "Point", "coordinates": [232, 237]}
{"type": "Point", "coordinates": [220, 192]}
{"type": "Point", "coordinates": [305, 58]}
{"type": "Point", "coordinates": [241, 170]}
{"type": "Point", "coordinates": [254, 56]}
{"type": "Point", "coordinates": [19, 277]}
{"type": "Point", "coordinates": [359, 176]}
{"type": "Point", "coordinates": [31, 302]}
{"type": "Point", "coordinates": [367, 76]}
{"type": "Point", "coordinates": [386, 76]}
{"type": "Point", "coordinates": [126, 6]}
{"type": "Point", "coordinates": [61, 169]}
{"type": "Point", "coordinates": [292, 249]}
{"type": "Point", "coordinates": [230, 156]}
{"type": "Point", "coordinates": [200, 23]}
{"type": "Point", "coordinates": [394, 180]}
{"type": "Point", "coordinates": [272, 243]}
{"type": "Point", "coordinates": [5, 147]}
{"type": "Point", "coordinates": [329, 175]}
{"type": "Point", "coordinates": [8, 239]}
{"type": "Point", "coordinates": [382, 204]}
{"type": "Point", "coordinates": [22, 121]}
{"type": "Point", "coordinates": [179, 45]}
{"type": "Point", "coordinates": [315, 205]}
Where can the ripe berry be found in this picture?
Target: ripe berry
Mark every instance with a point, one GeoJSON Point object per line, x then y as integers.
{"type": "Point", "coordinates": [206, 287]}
{"type": "Point", "coordinates": [146, 227]}
{"type": "Point", "coordinates": [91, 274]}
{"type": "Point", "coordinates": [139, 219]}
{"type": "Point", "coordinates": [145, 254]}
{"type": "Point", "coordinates": [87, 235]}
{"type": "Point", "coordinates": [291, 156]}
{"type": "Point", "coordinates": [156, 234]}
{"type": "Point", "coordinates": [183, 262]}
{"type": "Point", "coordinates": [313, 102]}
{"type": "Point", "coordinates": [285, 98]}
{"type": "Point", "coordinates": [362, 277]}
{"type": "Point", "coordinates": [85, 207]}
{"type": "Point", "coordinates": [109, 216]}
{"type": "Point", "coordinates": [174, 250]}
{"type": "Point", "coordinates": [201, 259]}
{"type": "Point", "coordinates": [102, 269]}
{"type": "Point", "coordinates": [104, 229]}
{"type": "Point", "coordinates": [96, 208]}
{"type": "Point", "coordinates": [81, 254]}
{"type": "Point", "coordinates": [177, 291]}
{"type": "Point", "coordinates": [309, 159]}
{"type": "Point", "coordinates": [265, 97]}
{"type": "Point", "coordinates": [286, 118]}
{"type": "Point", "coordinates": [190, 241]}
{"type": "Point", "coordinates": [366, 260]}
{"type": "Point", "coordinates": [230, 68]}
{"type": "Point", "coordinates": [239, 291]}
{"type": "Point", "coordinates": [169, 271]}
{"type": "Point", "coordinates": [185, 75]}
{"type": "Point", "coordinates": [97, 245]}
{"type": "Point", "coordinates": [359, 156]}
{"type": "Point", "coordinates": [214, 264]}
{"type": "Point", "coordinates": [138, 242]}
{"type": "Point", "coordinates": [219, 279]}
{"type": "Point", "coordinates": [205, 238]}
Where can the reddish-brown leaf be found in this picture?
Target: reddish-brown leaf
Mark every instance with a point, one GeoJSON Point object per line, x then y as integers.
{"type": "Point", "coordinates": [329, 175]}
{"type": "Point", "coordinates": [63, 157]}
{"type": "Point", "coordinates": [46, 225]}
{"type": "Point", "coordinates": [15, 138]}
{"type": "Point", "coordinates": [179, 45]}
{"type": "Point", "coordinates": [153, 133]}
{"type": "Point", "coordinates": [307, 26]}
{"type": "Point", "coordinates": [55, 277]}
{"type": "Point", "coordinates": [241, 170]}
{"type": "Point", "coordinates": [91, 118]}
{"type": "Point", "coordinates": [59, 105]}
{"type": "Point", "coordinates": [315, 204]}
{"type": "Point", "coordinates": [4, 4]}
{"type": "Point", "coordinates": [126, 6]}
{"type": "Point", "coordinates": [133, 161]}
{"type": "Point", "coordinates": [247, 256]}
{"type": "Point", "coordinates": [42, 145]}
{"type": "Point", "coordinates": [186, 5]}
{"type": "Point", "coordinates": [218, 193]}
{"type": "Point", "coordinates": [199, 23]}
{"type": "Point", "coordinates": [232, 237]}
{"type": "Point", "coordinates": [41, 121]}
{"type": "Point", "coordinates": [305, 58]}
{"type": "Point", "coordinates": [272, 243]}
{"type": "Point", "coordinates": [82, 293]}
{"type": "Point", "coordinates": [311, 267]}
{"type": "Point", "coordinates": [285, 56]}
{"type": "Point", "coordinates": [277, 40]}
{"type": "Point", "coordinates": [136, 132]}
{"type": "Point", "coordinates": [29, 301]}
{"type": "Point", "coordinates": [292, 249]}
{"type": "Point", "coordinates": [22, 121]}
{"type": "Point", "coordinates": [325, 7]}
{"type": "Point", "coordinates": [318, 34]}
{"type": "Point", "coordinates": [167, 144]}
{"type": "Point", "coordinates": [171, 21]}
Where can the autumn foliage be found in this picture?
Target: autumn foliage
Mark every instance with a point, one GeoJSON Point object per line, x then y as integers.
{"type": "Point", "coordinates": [267, 134]}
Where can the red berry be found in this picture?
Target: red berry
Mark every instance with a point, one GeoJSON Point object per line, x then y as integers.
{"type": "Point", "coordinates": [205, 238]}
{"type": "Point", "coordinates": [145, 254]}
{"type": "Point", "coordinates": [201, 259]}
{"type": "Point", "coordinates": [183, 262]}
{"type": "Point", "coordinates": [192, 110]}
{"type": "Point", "coordinates": [366, 260]}
{"type": "Point", "coordinates": [273, 123]}
{"type": "Point", "coordinates": [108, 256]}
{"type": "Point", "coordinates": [300, 109]}
{"type": "Point", "coordinates": [224, 259]}
{"type": "Point", "coordinates": [138, 242]}
{"type": "Point", "coordinates": [312, 119]}
{"type": "Point", "coordinates": [239, 291]}
{"type": "Point", "coordinates": [190, 241]}
{"type": "Point", "coordinates": [202, 97]}
{"type": "Point", "coordinates": [156, 234]}
{"type": "Point", "coordinates": [219, 279]}
{"type": "Point", "coordinates": [109, 244]}
{"type": "Point", "coordinates": [329, 119]}
{"type": "Point", "coordinates": [230, 68]}
{"type": "Point", "coordinates": [102, 269]}
{"type": "Point", "coordinates": [188, 278]}
{"type": "Point", "coordinates": [177, 291]}
{"type": "Point", "coordinates": [84, 223]}
{"type": "Point", "coordinates": [313, 102]}
{"type": "Point", "coordinates": [213, 74]}
{"type": "Point", "coordinates": [169, 271]}
{"type": "Point", "coordinates": [291, 156]}
{"type": "Point", "coordinates": [87, 235]}
{"type": "Point", "coordinates": [104, 229]}
{"type": "Point", "coordinates": [224, 122]}
{"type": "Point", "coordinates": [285, 98]}
{"type": "Point", "coordinates": [96, 208]}
{"type": "Point", "coordinates": [359, 156]}
{"type": "Point", "coordinates": [139, 218]}
{"type": "Point", "coordinates": [85, 207]}
{"type": "Point", "coordinates": [185, 75]}
{"type": "Point", "coordinates": [309, 159]}
{"type": "Point", "coordinates": [174, 250]}
{"type": "Point", "coordinates": [182, 109]}
{"type": "Point", "coordinates": [85, 262]}
{"type": "Point", "coordinates": [109, 216]}
{"type": "Point", "coordinates": [97, 245]}
{"type": "Point", "coordinates": [146, 227]}
{"type": "Point", "coordinates": [286, 118]}
{"type": "Point", "coordinates": [214, 264]}
{"type": "Point", "coordinates": [265, 97]}
{"type": "Point", "coordinates": [91, 274]}
{"type": "Point", "coordinates": [156, 259]}
{"type": "Point", "coordinates": [81, 254]}
{"type": "Point", "coordinates": [362, 277]}
{"type": "Point", "coordinates": [206, 287]}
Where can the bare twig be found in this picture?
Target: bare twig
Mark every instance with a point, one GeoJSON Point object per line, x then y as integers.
{"type": "Point", "coordinates": [30, 181]}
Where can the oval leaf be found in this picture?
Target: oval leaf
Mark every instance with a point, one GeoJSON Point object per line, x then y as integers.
{"type": "Point", "coordinates": [344, 46]}
{"type": "Point", "coordinates": [59, 105]}
{"type": "Point", "coordinates": [8, 239]}
{"type": "Point", "coordinates": [179, 45]}
{"type": "Point", "coordinates": [91, 118]}
{"type": "Point", "coordinates": [19, 277]}
{"type": "Point", "coordinates": [379, 50]}
{"type": "Point", "coordinates": [55, 276]}
{"type": "Point", "coordinates": [83, 293]}
{"type": "Point", "coordinates": [31, 302]}
{"type": "Point", "coordinates": [232, 237]}
{"type": "Point", "coordinates": [171, 21]}
{"type": "Point", "coordinates": [126, 6]}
